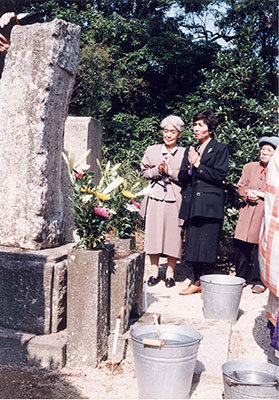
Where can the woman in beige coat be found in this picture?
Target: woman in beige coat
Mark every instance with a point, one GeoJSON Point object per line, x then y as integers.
{"type": "Point", "coordinates": [251, 188]}
{"type": "Point", "coordinates": [160, 164]}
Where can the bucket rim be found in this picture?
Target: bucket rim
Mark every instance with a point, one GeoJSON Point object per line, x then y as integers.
{"type": "Point", "coordinates": [194, 341]}
{"type": "Point", "coordinates": [272, 369]}
{"type": "Point", "coordinates": [212, 276]}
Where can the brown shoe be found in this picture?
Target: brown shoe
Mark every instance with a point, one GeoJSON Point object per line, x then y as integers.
{"type": "Point", "coordinates": [190, 290]}
{"type": "Point", "coordinates": [258, 289]}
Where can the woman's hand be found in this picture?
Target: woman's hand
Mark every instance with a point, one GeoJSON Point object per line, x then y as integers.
{"type": "Point", "coordinates": [4, 42]}
{"type": "Point", "coordinates": [164, 167]}
{"type": "Point", "coordinates": [253, 195]}
{"type": "Point", "coordinates": [193, 157]}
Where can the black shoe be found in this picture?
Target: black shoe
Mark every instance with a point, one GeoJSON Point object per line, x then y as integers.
{"type": "Point", "coordinates": [170, 282]}
{"type": "Point", "coordinates": [152, 281]}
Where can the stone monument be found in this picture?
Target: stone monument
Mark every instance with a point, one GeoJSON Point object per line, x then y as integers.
{"type": "Point", "coordinates": [35, 91]}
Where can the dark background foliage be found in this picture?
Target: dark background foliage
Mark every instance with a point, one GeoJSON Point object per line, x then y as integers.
{"type": "Point", "coordinates": [140, 62]}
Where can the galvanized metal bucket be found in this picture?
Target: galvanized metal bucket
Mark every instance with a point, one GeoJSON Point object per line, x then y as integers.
{"type": "Point", "coordinates": [250, 380]}
{"type": "Point", "coordinates": [221, 296]}
{"type": "Point", "coordinates": [165, 371]}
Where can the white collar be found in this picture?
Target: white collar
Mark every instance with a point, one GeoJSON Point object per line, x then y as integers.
{"type": "Point", "coordinates": [165, 150]}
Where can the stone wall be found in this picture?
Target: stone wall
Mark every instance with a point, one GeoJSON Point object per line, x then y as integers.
{"type": "Point", "coordinates": [35, 90]}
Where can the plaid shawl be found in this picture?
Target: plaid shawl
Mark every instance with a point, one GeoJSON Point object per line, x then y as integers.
{"type": "Point", "coordinates": [269, 238]}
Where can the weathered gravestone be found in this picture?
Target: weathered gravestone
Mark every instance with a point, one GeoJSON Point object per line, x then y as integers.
{"type": "Point", "coordinates": [35, 90]}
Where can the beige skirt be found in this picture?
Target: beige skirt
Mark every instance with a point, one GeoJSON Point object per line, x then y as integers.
{"type": "Point", "coordinates": [162, 230]}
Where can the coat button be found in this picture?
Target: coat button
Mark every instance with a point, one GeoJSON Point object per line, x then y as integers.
{"type": "Point", "coordinates": [198, 194]}
{"type": "Point", "coordinates": [201, 171]}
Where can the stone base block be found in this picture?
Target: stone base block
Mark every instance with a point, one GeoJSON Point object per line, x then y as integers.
{"type": "Point", "coordinates": [87, 305]}
{"type": "Point", "coordinates": [126, 288]}
{"type": "Point", "coordinates": [123, 244]}
{"type": "Point", "coordinates": [44, 351]}
{"type": "Point", "coordinates": [33, 289]}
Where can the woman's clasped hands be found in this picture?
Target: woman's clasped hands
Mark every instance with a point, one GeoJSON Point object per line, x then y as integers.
{"type": "Point", "coordinates": [164, 167]}
{"type": "Point", "coordinates": [254, 195]}
{"type": "Point", "coordinates": [193, 157]}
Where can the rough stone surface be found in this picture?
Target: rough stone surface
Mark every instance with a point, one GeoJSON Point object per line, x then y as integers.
{"type": "Point", "coordinates": [80, 135]}
{"type": "Point", "coordinates": [44, 351]}
{"type": "Point", "coordinates": [125, 244]}
{"type": "Point", "coordinates": [87, 306]}
{"type": "Point", "coordinates": [33, 289]}
{"type": "Point", "coordinates": [126, 288]}
{"type": "Point", "coordinates": [35, 91]}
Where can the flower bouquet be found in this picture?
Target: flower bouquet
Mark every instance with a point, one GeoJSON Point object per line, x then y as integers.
{"type": "Point", "coordinates": [124, 208]}
{"type": "Point", "coordinates": [90, 202]}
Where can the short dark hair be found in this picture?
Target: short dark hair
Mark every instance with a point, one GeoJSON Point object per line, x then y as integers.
{"type": "Point", "coordinates": [208, 117]}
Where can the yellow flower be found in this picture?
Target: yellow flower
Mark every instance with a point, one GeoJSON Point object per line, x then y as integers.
{"type": "Point", "coordinates": [128, 194]}
{"type": "Point", "coordinates": [83, 190]}
{"type": "Point", "coordinates": [93, 191]}
{"type": "Point", "coordinates": [103, 196]}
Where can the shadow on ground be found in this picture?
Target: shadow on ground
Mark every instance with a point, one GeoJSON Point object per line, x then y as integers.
{"type": "Point", "coordinates": [22, 382]}
{"type": "Point", "coordinates": [261, 335]}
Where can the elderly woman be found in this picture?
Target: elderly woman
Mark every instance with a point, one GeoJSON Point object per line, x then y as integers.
{"type": "Point", "coordinates": [251, 189]}
{"type": "Point", "coordinates": [160, 164]}
{"type": "Point", "coordinates": [203, 170]}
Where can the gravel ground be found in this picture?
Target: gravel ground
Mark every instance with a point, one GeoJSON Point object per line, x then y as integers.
{"type": "Point", "coordinates": [115, 378]}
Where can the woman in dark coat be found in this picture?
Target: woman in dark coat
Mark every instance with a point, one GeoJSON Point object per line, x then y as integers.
{"type": "Point", "coordinates": [202, 172]}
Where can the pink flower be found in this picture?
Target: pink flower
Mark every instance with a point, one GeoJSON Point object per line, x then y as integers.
{"type": "Point", "coordinates": [101, 211]}
{"type": "Point", "coordinates": [136, 204]}
{"type": "Point", "coordinates": [79, 175]}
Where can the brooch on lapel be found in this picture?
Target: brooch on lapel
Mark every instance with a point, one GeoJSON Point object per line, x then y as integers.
{"type": "Point", "coordinates": [210, 150]}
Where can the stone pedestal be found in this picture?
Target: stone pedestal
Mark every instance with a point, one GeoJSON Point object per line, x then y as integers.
{"type": "Point", "coordinates": [123, 244]}
{"type": "Point", "coordinates": [87, 305]}
{"type": "Point", "coordinates": [33, 289]}
{"type": "Point", "coordinates": [126, 288]}
{"type": "Point", "coordinates": [35, 90]}
{"type": "Point", "coordinates": [80, 135]}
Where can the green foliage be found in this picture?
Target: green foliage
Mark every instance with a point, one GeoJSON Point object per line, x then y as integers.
{"type": "Point", "coordinates": [139, 63]}
{"type": "Point", "coordinates": [236, 89]}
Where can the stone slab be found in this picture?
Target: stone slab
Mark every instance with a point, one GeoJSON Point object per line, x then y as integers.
{"type": "Point", "coordinates": [33, 289]}
{"type": "Point", "coordinates": [87, 306]}
{"type": "Point", "coordinates": [43, 351]}
{"type": "Point", "coordinates": [126, 288]}
{"type": "Point", "coordinates": [35, 91]}
{"type": "Point", "coordinates": [80, 135]}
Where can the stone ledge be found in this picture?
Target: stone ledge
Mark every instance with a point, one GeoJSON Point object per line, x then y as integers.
{"type": "Point", "coordinates": [43, 351]}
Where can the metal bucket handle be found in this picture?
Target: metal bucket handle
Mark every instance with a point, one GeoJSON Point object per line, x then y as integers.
{"type": "Point", "coordinates": [234, 381]}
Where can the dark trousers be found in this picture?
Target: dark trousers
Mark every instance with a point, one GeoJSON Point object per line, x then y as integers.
{"type": "Point", "coordinates": [200, 269]}
{"type": "Point", "coordinates": [247, 262]}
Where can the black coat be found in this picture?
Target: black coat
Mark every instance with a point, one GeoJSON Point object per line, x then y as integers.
{"type": "Point", "coordinates": [203, 191]}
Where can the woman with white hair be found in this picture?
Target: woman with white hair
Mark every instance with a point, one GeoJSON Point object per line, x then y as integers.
{"type": "Point", "coordinates": [160, 164]}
